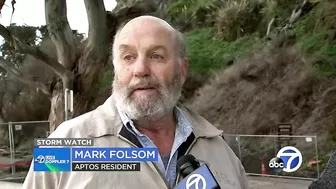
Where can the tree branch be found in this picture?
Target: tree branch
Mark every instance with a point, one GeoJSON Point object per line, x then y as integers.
{"type": "Point", "coordinates": [34, 51]}
{"type": "Point", "coordinates": [60, 32]}
{"type": "Point", "coordinates": [270, 26]}
{"type": "Point", "coordinates": [135, 9]}
{"type": "Point", "coordinates": [298, 12]}
{"type": "Point", "coordinates": [121, 14]}
{"type": "Point", "coordinates": [98, 31]}
{"type": "Point", "coordinates": [30, 80]}
{"type": "Point", "coordinates": [2, 3]}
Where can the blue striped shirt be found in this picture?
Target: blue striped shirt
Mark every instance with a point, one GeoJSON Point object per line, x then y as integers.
{"type": "Point", "coordinates": [167, 165]}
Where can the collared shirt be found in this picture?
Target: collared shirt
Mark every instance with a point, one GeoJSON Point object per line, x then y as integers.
{"type": "Point", "coordinates": [167, 165]}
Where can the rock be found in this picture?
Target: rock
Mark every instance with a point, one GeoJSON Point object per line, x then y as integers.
{"type": "Point", "coordinates": [231, 60]}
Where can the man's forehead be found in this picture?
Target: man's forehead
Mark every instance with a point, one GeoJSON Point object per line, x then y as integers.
{"type": "Point", "coordinates": [145, 40]}
{"type": "Point", "coordinates": [145, 27]}
{"type": "Point", "coordinates": [150, 46]}
{"type": "Point", "coordinates": [146, 22]}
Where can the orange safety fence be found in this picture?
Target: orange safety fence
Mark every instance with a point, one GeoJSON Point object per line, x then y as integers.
{"type": "Point", "coordinates": [19, 163]}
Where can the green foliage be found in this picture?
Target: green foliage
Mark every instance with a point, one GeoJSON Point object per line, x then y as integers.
{"type": "Point", "coordinates": [29, 35]}
{"type": "Point", "coordinates": [239, 21]}
{"type": "Point", "coordinates": [270, 9]}
{"type": "Point", "coordinates": [305, 25]}
{"type": "Point", "coordinates": [320, 18]}
{"type": "Point", "coordinates": [313, 31]}
{"type": "Point", "coordinates": [207, 54]}
{"type": "Point", "coordinates": [326, 14]}
{"type": "Point", "coordinates": [313, 43]}
{"type": "Point", "coordinates": [327, 149]}
{"type": "Point", "coordinates": [26, 34]}
{"type": "Point", "coordinates": [189, 13]}
{"type": "Point", "coordinates": [323, 52]}
{"type": "Point", "coordinates": [282, 8]}
{"type": "Point", "coordinates": [238, 18]}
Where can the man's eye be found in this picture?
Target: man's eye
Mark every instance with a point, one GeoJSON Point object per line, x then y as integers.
{"type": "Point", "coordinates": [128, 57]}
{"type": "Point", "coordinates": [156, 56]}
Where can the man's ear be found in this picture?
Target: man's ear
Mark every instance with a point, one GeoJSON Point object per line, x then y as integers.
{"type": "Point", "coordinates": [184, 69]}
{"type": "Point", "coordinates": [114, 64]}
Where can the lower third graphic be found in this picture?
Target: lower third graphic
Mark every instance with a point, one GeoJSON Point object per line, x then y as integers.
{"type": "Point", "coordinates": [52, 159]}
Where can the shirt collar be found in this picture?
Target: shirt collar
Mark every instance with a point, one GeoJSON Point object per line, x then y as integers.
{"type": "Point", "coordinates": [129, 124]}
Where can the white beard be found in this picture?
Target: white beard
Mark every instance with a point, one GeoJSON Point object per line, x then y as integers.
{"type": "Point", "coordinates": [144, 106]}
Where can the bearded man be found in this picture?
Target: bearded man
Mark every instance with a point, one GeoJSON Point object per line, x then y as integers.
{"type": "Point", "coordinates": [150, 67]}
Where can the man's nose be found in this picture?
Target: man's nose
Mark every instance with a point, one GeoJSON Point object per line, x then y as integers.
{"type": "Point", "coordinates": [141, 68]}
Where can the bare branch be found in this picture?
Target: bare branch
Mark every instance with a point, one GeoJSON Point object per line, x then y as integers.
{"type": "Point", "coordinates": [9, 67]}
{"type": "Point", "coordinates": [60, 32]}
{"type": "Point", "coordinates": [2, 3]}
{"type": "Point", "coordinates": [95, 54]}
{"type": "Point", "coordinates": [34, 51]}
{"type": "Point", "coordinates": [298, 12]}
{"type": "Point", "coordinates": [98, 31]}
{"type": "Point", "coordinates": [30, 80]}
{"type": "Point", "coordinates": [136, 8]}
{"type": "Point", "coordinates": [270, 26]}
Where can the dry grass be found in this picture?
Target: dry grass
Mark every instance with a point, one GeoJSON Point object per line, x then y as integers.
{"type": "Point", "coordinates": [269, 88]}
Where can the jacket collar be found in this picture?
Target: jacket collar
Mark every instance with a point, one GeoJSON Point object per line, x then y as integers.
{"type": "Point", "coordinates": [106, 121]}
{"type": "Point", "coordinates": [201, 127]}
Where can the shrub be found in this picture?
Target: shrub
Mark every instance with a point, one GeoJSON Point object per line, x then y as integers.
{"type": "Point", "coordinates": [206, 54]}
{"type": "Point", "coordinates": [238, 18]}
{"type": "Point", "coordinates": [326, 12]}
{"type": "Point", "coordinates": [190, 13]}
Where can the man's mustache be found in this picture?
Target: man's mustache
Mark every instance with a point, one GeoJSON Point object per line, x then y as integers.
{"type": "Point", "coordinates": [143, 84]}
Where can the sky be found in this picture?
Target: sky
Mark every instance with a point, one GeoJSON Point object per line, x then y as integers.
{"type": "Point", "coordinates": [31, 13]}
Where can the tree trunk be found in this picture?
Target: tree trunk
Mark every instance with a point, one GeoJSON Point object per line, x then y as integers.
{"type": "Point", "coordinates": [56, 115]}
{"type": "Point", "coordinates": [2, 94]}
{"type": "Point", "coordinates": [86, 89]}
{"type": "Point", "coordinates": [82, 71]}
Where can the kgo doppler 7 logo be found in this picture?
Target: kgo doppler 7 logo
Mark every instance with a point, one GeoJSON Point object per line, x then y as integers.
{"type": "Point", "coordinates": [288, 159]}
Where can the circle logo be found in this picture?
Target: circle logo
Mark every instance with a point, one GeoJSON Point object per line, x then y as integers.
{"type": "Point", "coordinates": [276, 164]}
{"type": "Point", "coordinates": [197, 181]}
{"type": "Point", "coordinates": [39, 159]}
{"type": "Point", "coordinates": [291, 157]}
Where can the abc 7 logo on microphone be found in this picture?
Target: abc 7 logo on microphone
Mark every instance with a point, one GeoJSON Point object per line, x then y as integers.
{"type": "Point", "coordinates": [288, 159]}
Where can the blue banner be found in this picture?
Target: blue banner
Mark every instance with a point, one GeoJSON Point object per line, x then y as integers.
{"type": "Point", "coordinates": [52, 159]}
{"type": "Point", "coordinates": [114, 154]}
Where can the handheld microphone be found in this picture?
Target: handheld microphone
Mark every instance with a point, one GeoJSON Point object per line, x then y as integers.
{"type": "Point", "coordinates": [194, 175]}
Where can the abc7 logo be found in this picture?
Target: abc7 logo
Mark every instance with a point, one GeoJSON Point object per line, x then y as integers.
{"type": "Point", "coordinates": [288, 159]}
{"type": "Point", "coordinates": [276, 164]}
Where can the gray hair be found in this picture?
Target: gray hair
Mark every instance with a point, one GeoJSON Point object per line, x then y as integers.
{"type": "Point", "coordinates": [181, 45]}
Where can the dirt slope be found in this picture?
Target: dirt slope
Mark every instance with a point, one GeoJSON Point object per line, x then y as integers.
{"type": "Point", "coordinates": [271, 87]}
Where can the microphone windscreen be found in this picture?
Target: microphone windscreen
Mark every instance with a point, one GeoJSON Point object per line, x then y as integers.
{"type": "Point", "coordinates": [187, 164]}
{"type": "Point", "coordinates": [185, 159]}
